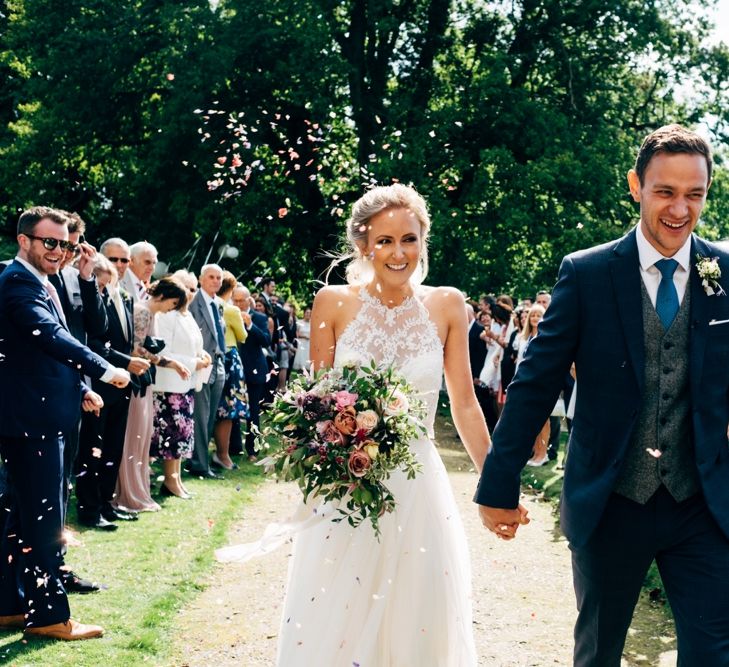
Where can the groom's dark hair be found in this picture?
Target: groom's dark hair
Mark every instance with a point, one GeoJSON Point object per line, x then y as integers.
{"type": "Point", "coordinates": [671, 139]}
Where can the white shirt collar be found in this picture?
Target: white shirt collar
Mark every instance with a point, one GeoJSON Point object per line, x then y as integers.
{"type": "Point", "coordinates": [648, 255]}
{"type": "Point", "coordinates": [41, 276]}
{"type": "Point", "coordinates": [208, 299]}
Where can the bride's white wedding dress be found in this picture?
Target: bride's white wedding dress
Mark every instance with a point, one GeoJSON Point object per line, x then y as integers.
{"type": "Point", "coordinates": [406, 599]}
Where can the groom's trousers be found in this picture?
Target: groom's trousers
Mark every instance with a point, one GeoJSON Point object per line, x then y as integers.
{"type": "Point", "coordinates": [692, 555]}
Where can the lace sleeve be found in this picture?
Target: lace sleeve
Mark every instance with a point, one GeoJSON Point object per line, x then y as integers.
{"type": "Point", "coordinates": [142, 324]}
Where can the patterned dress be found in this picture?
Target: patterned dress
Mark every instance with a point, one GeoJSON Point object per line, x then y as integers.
{"type": "Point", "coordinates": [132, 488]}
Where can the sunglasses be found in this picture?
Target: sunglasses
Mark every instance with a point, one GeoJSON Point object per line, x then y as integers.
{"type": "Point", "coordinates": [123, 260]}
{"type": "Point", "coordinates": [52, 244]}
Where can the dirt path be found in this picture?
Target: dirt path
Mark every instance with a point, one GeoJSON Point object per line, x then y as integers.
{"type": "Point", "coordinates": [523, 602]}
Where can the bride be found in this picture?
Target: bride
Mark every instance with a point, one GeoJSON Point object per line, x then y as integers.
{"type": "Point", "coordinates": [405, 599]}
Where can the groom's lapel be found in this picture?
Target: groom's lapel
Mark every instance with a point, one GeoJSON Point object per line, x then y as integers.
{"type": "Point", "coordinates": [699, 315]}
{"type": "Point", "coordinates": [625, 275]}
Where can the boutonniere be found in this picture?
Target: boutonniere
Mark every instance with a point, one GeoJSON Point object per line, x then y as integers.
{"type": "Point", "coordinates": [709, 272]}
{"type": "Point", "coordinates": [124, 294]}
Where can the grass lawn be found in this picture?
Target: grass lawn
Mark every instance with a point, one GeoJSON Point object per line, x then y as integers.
{"type": "Point", "coordinates": [151, 567]}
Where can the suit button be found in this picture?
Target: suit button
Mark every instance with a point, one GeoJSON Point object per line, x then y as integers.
{"type": "Point", "coordinates": [666, 370]}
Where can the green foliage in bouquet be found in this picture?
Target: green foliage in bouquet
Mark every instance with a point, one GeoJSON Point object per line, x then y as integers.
{"type": "Point", "coordinates": [341, 433]}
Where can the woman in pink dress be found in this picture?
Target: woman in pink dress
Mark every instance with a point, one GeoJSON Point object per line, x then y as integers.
{"type": "Point", "coordinates": [133, 486]}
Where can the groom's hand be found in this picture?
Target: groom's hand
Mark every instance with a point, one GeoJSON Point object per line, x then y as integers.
{"type": "Point", "coordinates": [502, 522]}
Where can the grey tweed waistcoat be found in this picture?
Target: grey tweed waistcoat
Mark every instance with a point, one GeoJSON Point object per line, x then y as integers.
{"type": "Point", "coordinates": [664, 422]}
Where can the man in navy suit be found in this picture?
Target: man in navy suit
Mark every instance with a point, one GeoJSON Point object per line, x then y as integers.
{"type": "Point", "coordinates": [42, 393]}
{"type": "Point", "coordinates": [645, 319]}
{"type": "Point", "coordinates": [254, 362]}
{"type": "Point", "coordinates": [102, 437]}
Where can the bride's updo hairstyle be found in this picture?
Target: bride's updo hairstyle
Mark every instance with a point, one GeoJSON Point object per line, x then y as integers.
{"type": "Point", "coordinates": [374, 201]}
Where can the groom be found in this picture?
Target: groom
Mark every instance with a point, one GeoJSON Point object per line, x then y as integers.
{"type": "Point", "coordinates": [648, 469]}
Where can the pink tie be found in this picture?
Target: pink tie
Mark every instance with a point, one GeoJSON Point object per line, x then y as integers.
{"type": "Point", "coordinates": [56, 301]}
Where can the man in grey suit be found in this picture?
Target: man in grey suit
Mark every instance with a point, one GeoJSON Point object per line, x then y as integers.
{"type": "Point", "coordinates": [206, 309]}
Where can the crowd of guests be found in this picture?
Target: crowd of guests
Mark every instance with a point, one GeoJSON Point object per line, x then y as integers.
{"type": "Point", "coordinates": [205, 353]}
{"type": "Point", "coordinates": [171, 366]}
{"type": "Point", "coordinates": [187, 361]}
{"type": "Point", "coordinates": [499, 334]}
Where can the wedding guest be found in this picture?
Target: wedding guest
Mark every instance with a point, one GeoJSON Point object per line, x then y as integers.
{"type": "Point", "coordinates": [142, 263]}
{"type": "Point", "coordinates": [531, 329]}
{"type": "Point", "coordinates": [255, 366]}
{"type": "Point", "coordinates": [85, 316]}
{"type": "Point", "coordinates": [232, 407]}
{"type": "Point", "coordinates": [116, 250]}
{"type": "Point", "coordinates": [102, 436]}
{"type": "Point", "coordinates": [40, 360]}
{"type": "Point", "coordinates": [270, 352]}
{"type": "Point", "coordinates": [303, 333]}
{"type": "Point", "coordinates": [508, 362]}
{"type": "Point", "coordinates": [544, 298]}
{"type": "Point", "coordinates": [174, 396]}
{"type": "Point", "coordinates": [133, 487]}
{"type": "Point", "coordinates": [206, 308]}
{"type": "Point", "coordinates": [488, 386]}
{"type": "Point", "coordinates": [282, 335]}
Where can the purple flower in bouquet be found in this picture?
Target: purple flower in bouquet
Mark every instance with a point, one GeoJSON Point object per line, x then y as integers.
{"type": "Point", "coordinates": [310, 406]}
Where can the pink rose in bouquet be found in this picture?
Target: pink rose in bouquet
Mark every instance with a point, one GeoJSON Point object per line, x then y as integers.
{"type": "Point", "coordinates": [359, 462]}
{"type": "Point", "coordinates": [344, 399]}
{"type": "Point", "coordinates": [367, 420]}
{"type": "Point", "coordinates": [329, 432]}
{"type": "Point", "coordinates": [346, 421]}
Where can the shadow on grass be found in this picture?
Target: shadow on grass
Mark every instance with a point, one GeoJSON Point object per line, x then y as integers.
{"type": "Point", "coordinates": [151, 568]}
{"type": "Point", "coordinates": [652, 632]}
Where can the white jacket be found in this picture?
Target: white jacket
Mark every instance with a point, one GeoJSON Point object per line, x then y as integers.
{"type": "Point", "coordinates": [184, 343]}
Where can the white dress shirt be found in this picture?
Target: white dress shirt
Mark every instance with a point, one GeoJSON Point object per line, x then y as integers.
{"type": "Point", "coordinates": [648, 256]}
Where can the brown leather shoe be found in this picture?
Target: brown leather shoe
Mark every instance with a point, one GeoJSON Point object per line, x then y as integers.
{"type": "Point", "coordinates": [14, 622]}
{"type": "Point", "coordinates": [68, 631]}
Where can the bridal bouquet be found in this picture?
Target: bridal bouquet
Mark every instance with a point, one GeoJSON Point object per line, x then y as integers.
{"type": "Point", "coordinates": [340, 433]}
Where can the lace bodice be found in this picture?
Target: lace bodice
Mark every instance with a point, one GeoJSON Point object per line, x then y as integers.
{"type": "Point", "coordinates": [403, 336]}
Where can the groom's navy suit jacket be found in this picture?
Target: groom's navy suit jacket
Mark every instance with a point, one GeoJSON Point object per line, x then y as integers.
{"type": "Point", "coordinates": [41, 363]}
{"type": "Point", "coordinates": [596, 320]}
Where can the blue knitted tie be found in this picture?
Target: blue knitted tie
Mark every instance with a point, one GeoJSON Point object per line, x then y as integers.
{"type": "Point", "coordinates": [218, 326]}
{"type": "Point", "coordinates": [667, 297]}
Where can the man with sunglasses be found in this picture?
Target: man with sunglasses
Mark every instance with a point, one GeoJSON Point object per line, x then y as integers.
{"type": "Point", "coordinates": [41, 395]}
{"type": "Point", "coordinates": [116, 250]}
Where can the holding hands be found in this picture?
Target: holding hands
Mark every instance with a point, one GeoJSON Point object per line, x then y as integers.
{"type": "Point", "coordinates": [503, 522]}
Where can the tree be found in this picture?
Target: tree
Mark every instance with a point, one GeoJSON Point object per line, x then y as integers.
{"type": "Point", "coordinates": [517, 121]}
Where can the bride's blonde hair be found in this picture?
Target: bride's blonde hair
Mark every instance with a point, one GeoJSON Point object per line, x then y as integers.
{"type": "Point", "coordinates": [375, 201]}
